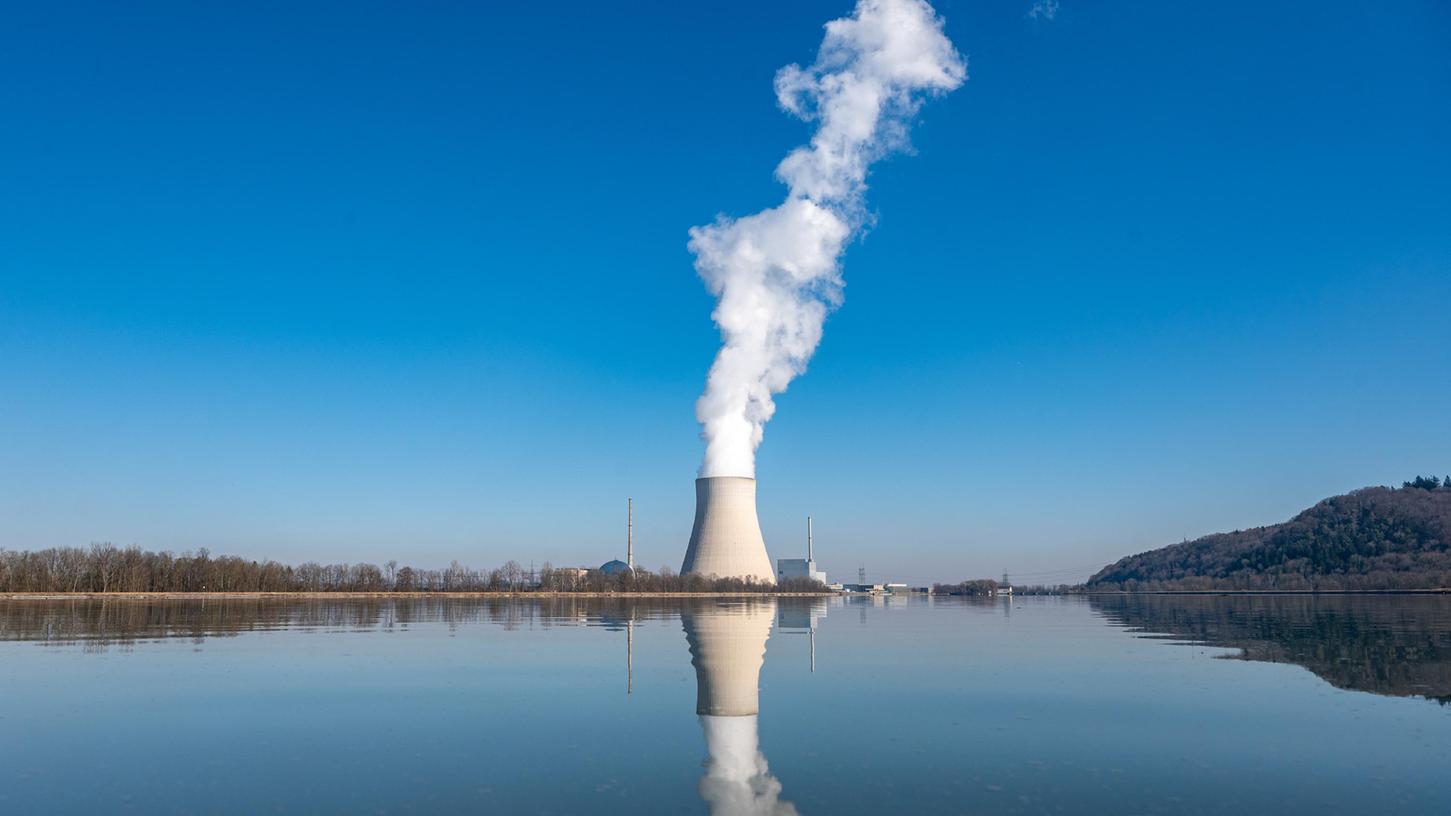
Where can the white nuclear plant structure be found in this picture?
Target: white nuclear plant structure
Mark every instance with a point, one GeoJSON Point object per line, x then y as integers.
{"type": "Point", "coordinates": [726, 540]}
{"type": "Point", "coordinates": [727, 648]}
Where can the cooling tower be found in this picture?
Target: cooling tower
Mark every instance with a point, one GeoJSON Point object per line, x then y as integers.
{"type": "Point", "coordinates": [726, 540]}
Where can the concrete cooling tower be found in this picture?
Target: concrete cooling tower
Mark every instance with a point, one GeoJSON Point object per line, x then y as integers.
{"type": "Point", "coordinates": [726, 540]}
{"type": "Point", "coordinates": [727, 648]}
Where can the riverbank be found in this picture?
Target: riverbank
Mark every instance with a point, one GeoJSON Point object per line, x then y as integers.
{"type": "Point", "coordinates": [318, 596]}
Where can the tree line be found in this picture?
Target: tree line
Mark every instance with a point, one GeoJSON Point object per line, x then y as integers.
{"type": "Point", "coordinates": [982, 586]}
{"type": "Point", "coordinates": [987, 586]}
{"type": "Point", "coordinates": [1429, 483]}
{"type": "Point", "coordinates": [108, 568]}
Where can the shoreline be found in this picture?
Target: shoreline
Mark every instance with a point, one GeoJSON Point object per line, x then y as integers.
{"type": "Point", "coordinates": [318, 596]}
{"type": "Point", "coordinates": [382, 595]}
{"type": "Point", "coordinates": [1435, 591]}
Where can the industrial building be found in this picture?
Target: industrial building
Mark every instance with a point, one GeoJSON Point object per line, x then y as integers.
{"type": "Point", "coordinates": [881, 589]}
{"type": "Point", "coordinates": [788, 568]}
{"type": "Point", "coordinates": [615, 567]}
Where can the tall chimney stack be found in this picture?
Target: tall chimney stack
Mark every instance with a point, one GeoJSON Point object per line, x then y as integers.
{"type": "Point", "coordinates": [808, 539]}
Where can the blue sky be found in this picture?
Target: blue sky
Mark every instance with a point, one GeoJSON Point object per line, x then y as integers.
{"type": "Point", "coordinates": [361, 281]}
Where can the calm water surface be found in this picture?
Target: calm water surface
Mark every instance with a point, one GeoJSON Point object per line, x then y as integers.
{"type": "Point", "coordinates": [1042, 705]}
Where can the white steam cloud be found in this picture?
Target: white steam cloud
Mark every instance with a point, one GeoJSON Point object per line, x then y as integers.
{"type": "Point", "coordinates": [777, 273]}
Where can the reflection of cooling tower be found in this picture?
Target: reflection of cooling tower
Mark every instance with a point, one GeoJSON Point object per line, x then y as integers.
{"type": "Point", "coordinates": [726, 540]}
{"type": "Point", "coordinates": [727, 648]}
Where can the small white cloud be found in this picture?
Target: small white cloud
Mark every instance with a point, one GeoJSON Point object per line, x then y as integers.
{"type": "Point", "coordinates": [1044, 10]}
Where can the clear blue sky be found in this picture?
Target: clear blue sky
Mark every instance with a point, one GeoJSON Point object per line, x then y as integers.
{"type": "Point", "coordinates": [361, 281]}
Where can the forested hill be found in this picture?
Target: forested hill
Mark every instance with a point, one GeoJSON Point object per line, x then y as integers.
{"type": "Point", "coordinates": [1374, 538]}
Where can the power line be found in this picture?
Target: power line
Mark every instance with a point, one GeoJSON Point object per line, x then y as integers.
{"type": "Point", "coordinates": [1059, 571]}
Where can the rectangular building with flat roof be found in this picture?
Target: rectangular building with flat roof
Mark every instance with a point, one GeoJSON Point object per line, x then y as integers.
{"type": "Point", "coordinates": [788, 568]}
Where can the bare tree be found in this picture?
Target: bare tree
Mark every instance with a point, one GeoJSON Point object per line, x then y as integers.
{"type": "Point", "coordinates": [513, 574]}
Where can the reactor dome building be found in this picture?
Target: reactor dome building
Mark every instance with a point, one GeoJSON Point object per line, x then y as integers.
{"type": "Point", "coordinates": [726, 540]}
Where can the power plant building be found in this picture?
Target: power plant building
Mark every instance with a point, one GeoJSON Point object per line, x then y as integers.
{"type": "Point", "coordinates": [615, 567]}
{"type": "Point", "coordinates": [788, 568]}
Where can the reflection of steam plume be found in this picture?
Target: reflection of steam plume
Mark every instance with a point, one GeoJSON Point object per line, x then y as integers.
{"type": "Point", "coordinates": [727, 647]}
{"type": "Point", "coordinates": [776, 273]}
{"type": "Point", "coordinates": [736, 781]}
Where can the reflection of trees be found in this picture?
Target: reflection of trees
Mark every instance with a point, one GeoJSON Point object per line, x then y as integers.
{"type": "Point", "coordinates": [100, 624]}
{"type": "Point", "coordinates": [1397, 646]}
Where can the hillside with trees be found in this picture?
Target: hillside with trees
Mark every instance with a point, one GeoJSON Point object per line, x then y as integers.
{"type": "Point", "coordinates": [1374, 538]}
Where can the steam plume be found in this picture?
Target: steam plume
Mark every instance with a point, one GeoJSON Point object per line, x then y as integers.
{"type": "Point", "coordinates": [776, 273]}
